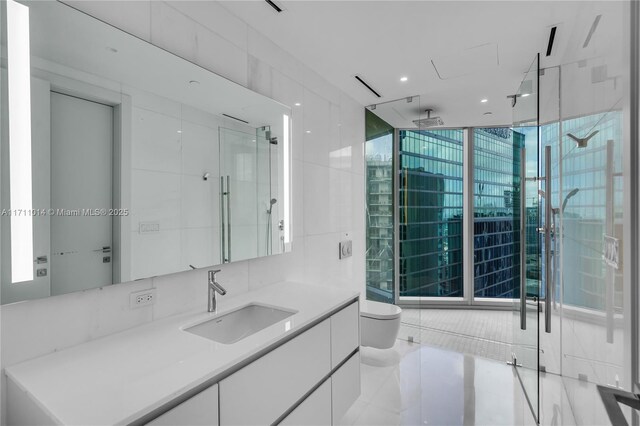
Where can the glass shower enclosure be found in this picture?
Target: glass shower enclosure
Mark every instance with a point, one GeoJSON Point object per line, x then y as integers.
{"type": "Point", "coordinates": [248, 191]}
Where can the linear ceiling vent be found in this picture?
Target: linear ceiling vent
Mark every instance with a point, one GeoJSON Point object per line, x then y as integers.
{"type": "Point", "coordinates": [592, 30]}
{"type": "Point", "coordinates": [274, 6]}
{"type": "Point", "coordinates": [235, 118]}
{"type": "Point", "coordinates": [367, 86]}
{"type": "Point", "coordinates": [552, 37]}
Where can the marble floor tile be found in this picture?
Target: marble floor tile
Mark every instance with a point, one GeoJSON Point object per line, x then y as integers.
{"type": "Point", "coordinates": [417, 384]}
{"type": "Point", "coordinates": [448, 368]}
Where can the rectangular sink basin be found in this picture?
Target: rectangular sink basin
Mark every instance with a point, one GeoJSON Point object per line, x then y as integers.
{"type": "Point", "coordinates": [236, 325]}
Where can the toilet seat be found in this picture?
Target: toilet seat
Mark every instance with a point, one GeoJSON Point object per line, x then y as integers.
{"type": "Point", "coordinates": [378, 310]}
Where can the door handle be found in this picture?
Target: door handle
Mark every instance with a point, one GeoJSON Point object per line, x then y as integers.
{"type": "Point", "coordinates": [223, 241]}
{"type": "Point", "coordinates": [105, 249]}
{"type": "Point", "coordinates": [547, 239]}
{"type": "Point", "coordinates": [228, 219]}
{"type": "Point", "coordinates": [523, 240]}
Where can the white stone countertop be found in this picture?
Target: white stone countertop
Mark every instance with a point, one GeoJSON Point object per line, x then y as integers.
{"type": "Point", "coordinates": [120, 378]}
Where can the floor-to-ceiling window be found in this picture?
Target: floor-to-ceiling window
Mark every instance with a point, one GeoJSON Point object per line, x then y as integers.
{"type": "Point", "coordinates": [430, 202]}
{"type": "Point", "coordinates": [430, 207]}
{"type": "Point", "coordinates": [496, 185]}
{"type": "Point", "coordinates": [379, 199]}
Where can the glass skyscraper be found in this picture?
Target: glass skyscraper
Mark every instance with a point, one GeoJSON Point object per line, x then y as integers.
{"type": "Point", "coordinates": [430, 212]}
{"type": "Point", "coordinates": [496, 163]}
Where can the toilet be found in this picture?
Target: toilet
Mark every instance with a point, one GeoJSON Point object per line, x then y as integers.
{"type": "Point", "coordinates": [379, 324]}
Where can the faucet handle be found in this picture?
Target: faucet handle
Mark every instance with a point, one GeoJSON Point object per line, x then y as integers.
{"type": "Point", "coordinates": [212, 273]}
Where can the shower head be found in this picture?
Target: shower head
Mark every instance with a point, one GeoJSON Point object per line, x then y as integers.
{"type": "Point", "coordinates": [271, 203]}
{"type": "Point", "coordinates": [573, 192]}
{"type": "Point", "coordinates": [582, 142]}
{"type": "Point", "coordinates": [429, 121]}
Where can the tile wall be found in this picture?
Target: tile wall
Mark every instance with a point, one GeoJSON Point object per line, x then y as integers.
{"type": "Point", "coordinates": [328, 182]}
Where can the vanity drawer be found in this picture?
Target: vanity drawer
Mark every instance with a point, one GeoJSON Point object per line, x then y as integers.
{"type": "Point", "coordinates": [315, 410]}
{"type": "Point", "coordinates": [263, 390]}
{"type": "Point", "coordinates": [345, 333]}
{"type": "Point", "coordinates": [201, 409]}
{"type": "Point", "coordinates": [345, 387]}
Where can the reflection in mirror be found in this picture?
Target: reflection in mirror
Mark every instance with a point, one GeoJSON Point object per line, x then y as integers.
{"type": "Point", "coordinates": [121, 161]}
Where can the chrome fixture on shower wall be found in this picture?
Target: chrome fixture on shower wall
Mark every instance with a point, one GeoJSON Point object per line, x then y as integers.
{"type": "Point", "coordinates": [269, 239]}
{"type": "Point", "coordinates": [582, 142]}
{"type": "Point", "coordinates": [429, 121]}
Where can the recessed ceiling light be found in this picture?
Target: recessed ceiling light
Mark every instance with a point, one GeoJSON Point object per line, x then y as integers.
{"type": "Point", "coordinates": [524, 95]}
{"type": "Point", "coordinates": [484, 101]}
{"type": "Point", "coordinates": [297, 104]}
{"type": "Point", "coordinates": [194, 82]}
{"type": "Point", "coordinates": [487, 113]}
{"type": "Point", "coordinates": [179, 131]}
{"type": "Point", "coordinates": [308, 131]}
{"type": "Point", "coordinates": [403, 79]}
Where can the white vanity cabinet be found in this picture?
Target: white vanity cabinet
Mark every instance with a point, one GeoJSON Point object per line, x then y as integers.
{"type": "Point", "coordinates": [264, 390]}
{"type": "Point", "coordinates": [310, 378]}
{"type": "Point", "coordinates": [345, 387]}
{"type": "Point", "coordinates": [277, 383]}
{"type": "Point", "coordinates": [199, 410]}
{"type": "Point", "coordinates": [314, 410]}
{"type": "Point", "coordinates": [345, 333]}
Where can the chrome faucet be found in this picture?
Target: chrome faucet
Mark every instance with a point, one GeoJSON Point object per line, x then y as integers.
{"type": "Point", "coordinates": [214, 287]}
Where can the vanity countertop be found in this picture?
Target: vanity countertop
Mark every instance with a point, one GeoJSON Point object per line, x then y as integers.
{"type": "Point", "coordinates": [122, 377]}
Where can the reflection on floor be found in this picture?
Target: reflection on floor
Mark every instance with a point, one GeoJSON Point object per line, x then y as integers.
{"type": "Point", "coordinates": [454, 372]}
{"type": "Point", "coordinates": [483, 333]}
{"type": "Point", "coordinates": [417, 384]}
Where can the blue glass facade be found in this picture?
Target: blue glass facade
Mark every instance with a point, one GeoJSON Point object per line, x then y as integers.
{"type": "Point", "coordinates": [496, 161]}
{"type": "Point", "coordinates": [379, 219]}
{"type": "Point", "coordinates": [430, 213]}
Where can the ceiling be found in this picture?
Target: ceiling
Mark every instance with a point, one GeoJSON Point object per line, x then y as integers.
{"type": "Point", "coordinates": [454, 53]}
{"type": "Point", "coordinates": [87, 48]}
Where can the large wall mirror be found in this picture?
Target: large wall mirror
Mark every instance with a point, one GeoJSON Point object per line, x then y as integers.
{"type": "Point", "coordinates": [121, 161]}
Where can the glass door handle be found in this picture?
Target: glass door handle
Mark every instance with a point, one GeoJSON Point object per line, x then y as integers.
{"type": "Point", "coordinates": [547, 239]}
{"type": "Point", "coordinates": [609, 230]}
{"type": "Point", "coordinates": [228, 194]}
{"type": "Point", "coordinates": [223, 241]}
{"type": "Point", "coordinates": [523, 240]}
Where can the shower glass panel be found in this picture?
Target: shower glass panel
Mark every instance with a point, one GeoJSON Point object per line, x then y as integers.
{"type": "Point", "coordinates": [594, 305]}
{"type": "Point", "coordinates": [379, 209]}
{"type": "Point", "coordinates": [247, 192]}
{"type": "Point", "coordinates": [527, 210]}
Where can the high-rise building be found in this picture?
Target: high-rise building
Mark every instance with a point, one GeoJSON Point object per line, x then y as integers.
{"type": "Point", "coordinates": [430, 216]}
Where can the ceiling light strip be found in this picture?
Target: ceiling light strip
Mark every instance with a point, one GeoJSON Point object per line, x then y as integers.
{"type": "Point", "coordinates": [273, 5]}
{"type": "Point", "coordinates": [592, 30]}
{"type": "Point", "coordinates": [235, 118]}
{"type": "Point", "coordinates": [552, 37]}
{"type": "Point", "coordinates": [367, 86]}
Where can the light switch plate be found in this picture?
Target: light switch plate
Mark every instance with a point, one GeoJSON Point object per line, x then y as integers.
{"type": "Point", "coordinates": [344, 249]}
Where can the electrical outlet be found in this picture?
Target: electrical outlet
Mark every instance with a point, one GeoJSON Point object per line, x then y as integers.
{"type": "Point", "coordinates": [148, 227]}
{"type": "Point", "coordinates": [142, 298]}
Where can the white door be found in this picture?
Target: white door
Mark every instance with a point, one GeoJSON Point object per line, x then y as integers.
{"type": "Point", "coordinates": [81, 167]}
